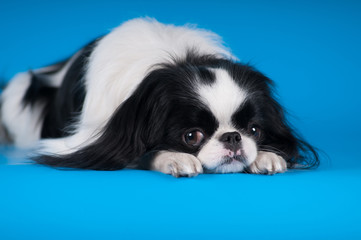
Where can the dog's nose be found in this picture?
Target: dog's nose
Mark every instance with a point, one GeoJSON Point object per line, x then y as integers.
{"type": "Point", "coordinates": [231, 137]}
{"type": "Point", "coordinates": [231, 140]}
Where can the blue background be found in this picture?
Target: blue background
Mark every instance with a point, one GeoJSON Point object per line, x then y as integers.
{"type": "Point", "coordinates": [311, 49]}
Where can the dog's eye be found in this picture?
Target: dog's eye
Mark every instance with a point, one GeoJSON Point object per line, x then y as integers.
{"type": "Point", "coordinates": [255, 131]}
{"type": "Point", "coordinates": [194, 138]}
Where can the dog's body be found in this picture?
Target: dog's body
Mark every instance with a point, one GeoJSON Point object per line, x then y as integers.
{"type": "Point", "coordinates": [152, 96]}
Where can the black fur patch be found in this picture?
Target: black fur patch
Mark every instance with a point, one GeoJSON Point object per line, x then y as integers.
{"type": "Point", "coordinates": [62, 103]}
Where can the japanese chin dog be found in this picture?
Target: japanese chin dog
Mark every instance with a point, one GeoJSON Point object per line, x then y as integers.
{"type": "Point", "coordinates": [153, 96]}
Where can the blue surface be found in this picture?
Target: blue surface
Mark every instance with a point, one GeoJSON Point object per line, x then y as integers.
{"type": "Point", "coordinates": [310, 49]}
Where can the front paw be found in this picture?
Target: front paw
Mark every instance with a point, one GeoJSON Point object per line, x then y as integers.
{"type": "Point", "coordinates": [268, 163]}
{"type": "Point", "coordinates": [177, 164]}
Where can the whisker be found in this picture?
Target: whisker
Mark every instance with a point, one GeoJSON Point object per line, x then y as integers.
{"type": "Point", "coordinates": [272, 149]}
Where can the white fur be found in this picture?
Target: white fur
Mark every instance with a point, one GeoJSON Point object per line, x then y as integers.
{"type": "Point", "coordinates": [268, 162]}
{"type": "Point", "coordinates": [222, 97]}
{"type": "Point", "coordinates": [119, 63]}
{"type": "Point", "coordinates": [177, 164]}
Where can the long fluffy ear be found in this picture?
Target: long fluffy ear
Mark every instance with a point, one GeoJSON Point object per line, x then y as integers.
{"type": "Point", "coordinates": [135, 127]}
{"type": "Point", "coordinates": [286, 142]}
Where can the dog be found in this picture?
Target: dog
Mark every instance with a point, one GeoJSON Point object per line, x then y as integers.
{"type": "Point", "coordinates": [153, 96]}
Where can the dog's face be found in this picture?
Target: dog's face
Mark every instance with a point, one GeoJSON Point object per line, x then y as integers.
{"type": "Point", "coordinates": [221, 128]}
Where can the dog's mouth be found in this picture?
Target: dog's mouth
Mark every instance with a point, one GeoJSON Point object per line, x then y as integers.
{"type": "Point", "coordinates": [234, 159]}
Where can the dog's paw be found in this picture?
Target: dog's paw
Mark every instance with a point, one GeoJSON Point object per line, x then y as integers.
{"type": "Point", "coordinates": [268, 163]}
{"type": "Point", "coordinates": [177, 164]}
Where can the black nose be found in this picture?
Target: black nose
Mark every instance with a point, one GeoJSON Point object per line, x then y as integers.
{"type": "Point", "coordinates": [231, 140]}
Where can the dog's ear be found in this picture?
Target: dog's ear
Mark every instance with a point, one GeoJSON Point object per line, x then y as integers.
{"type": "Point", "coordinates": [279, 136]}
{"type": "Point", "coordinates": [282, 139]}
{"type": "Point", "coordinates": [134, 128]}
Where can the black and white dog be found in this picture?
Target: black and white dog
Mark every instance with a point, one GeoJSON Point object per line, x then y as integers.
{"type": "Point", "coordinates": [153, 96]}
